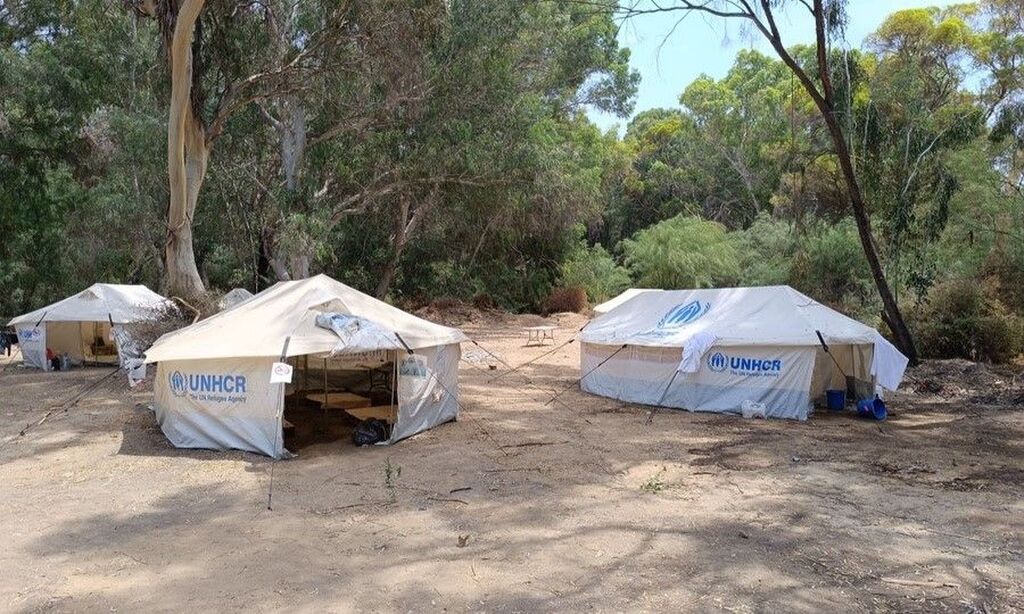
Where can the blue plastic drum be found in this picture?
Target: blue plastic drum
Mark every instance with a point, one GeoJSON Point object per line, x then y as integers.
{"type": "Point", "coordinates": [872, 408]}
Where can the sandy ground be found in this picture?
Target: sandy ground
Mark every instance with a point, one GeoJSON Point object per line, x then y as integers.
{"type": "Point", "coordinates": [521, 506]}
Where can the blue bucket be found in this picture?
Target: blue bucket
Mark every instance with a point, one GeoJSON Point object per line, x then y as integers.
{"type": "Point", "coordinates": [872, 408]}
{"type": "Point", "coordinates": [835, 399]}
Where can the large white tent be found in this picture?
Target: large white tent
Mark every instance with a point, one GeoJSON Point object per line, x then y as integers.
{"type": "Point", "coordinates": [85, 326]}
{"type": "Point", "coordinates": [213, 388]}
{"type": "Point", "coordinates": [626, 295]}
{"type": "Point", "coordinates": [715, 349]}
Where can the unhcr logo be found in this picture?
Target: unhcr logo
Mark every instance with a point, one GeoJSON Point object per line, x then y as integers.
{"type": "Point", "coordinates": [681, 314]}
{"type": "Point", "coordinates": [741, 365]}
{"type": "Point", "coordinates": [718, 362]}
{"type": "Point", "coordinates": [29, 334]}
{"type": "Point", "coordinates": [179, 386]}
{"type": "Point", "coordinates": [182, 384]}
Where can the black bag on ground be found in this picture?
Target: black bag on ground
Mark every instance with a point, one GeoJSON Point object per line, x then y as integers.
{"type": "Point", "coordinates": [369, 432]}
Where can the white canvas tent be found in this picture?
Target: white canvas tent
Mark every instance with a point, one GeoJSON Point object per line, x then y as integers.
{"type": "Point", "coordinates": [612, 303]}
{"type": "Point", "coordinates": [213, 389]}
{"type": "Point", "coordinates": [712, 350]}
{"type": "Point", "coordinates": [87, 326]}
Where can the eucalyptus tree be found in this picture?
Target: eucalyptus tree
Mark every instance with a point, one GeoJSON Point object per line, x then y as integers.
{"type": "Point", "coordinates": [828, 18]}
{"type": "Point", "coordinates": [448, 110]}
{"type": "Point", "coordinates": [221, 58]}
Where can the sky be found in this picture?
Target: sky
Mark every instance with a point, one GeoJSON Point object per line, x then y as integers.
{"type": "Point", "coordinates": [670, 54]}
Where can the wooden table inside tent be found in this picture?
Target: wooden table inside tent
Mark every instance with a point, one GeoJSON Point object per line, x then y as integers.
{"type": "Point", "coordinates": [339, 400]}
{"type": "Point", "coordinates": [359, 407]}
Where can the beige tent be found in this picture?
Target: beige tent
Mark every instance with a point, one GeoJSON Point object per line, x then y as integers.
{"type": "Point", "coordinates": [213, 385]}
{"type": "Point", "coordinates": [85, 326]}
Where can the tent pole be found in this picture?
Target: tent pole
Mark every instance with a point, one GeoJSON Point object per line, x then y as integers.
{"type": "Point", "coordinates": [661, 399]}
{"type": "Point", "coordinates": [394, 389]}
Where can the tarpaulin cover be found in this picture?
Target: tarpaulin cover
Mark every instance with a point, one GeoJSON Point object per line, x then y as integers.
{"type": "Point", "coordinates": [356, 334]}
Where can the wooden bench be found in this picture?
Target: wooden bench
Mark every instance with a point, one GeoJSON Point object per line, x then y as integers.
{"type": "Point", "coordinates": [387, 413]}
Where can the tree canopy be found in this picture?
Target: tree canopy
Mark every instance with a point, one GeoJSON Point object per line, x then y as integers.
{"type": "Point", "coordinates": [425, 149]}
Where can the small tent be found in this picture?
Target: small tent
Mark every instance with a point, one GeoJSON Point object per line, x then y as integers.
{"type": "Point", "coordinates": [713, 350]}
{"type": "Point", "coordinates": [87, 326]}
{"type": "Point", "coordinates": [347, 350]}
{"type": "Point", "coordinates": [614, 302]}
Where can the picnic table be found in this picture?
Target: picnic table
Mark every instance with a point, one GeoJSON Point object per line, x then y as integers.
{"type": "Point", "coordinates": [536, 335]}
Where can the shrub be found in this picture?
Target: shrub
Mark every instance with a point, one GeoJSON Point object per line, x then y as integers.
{"type": "Point", "coordinates": [594, 269]}
{"type": "Point", "coordinates": [831, 267]}
{"type": "Point", "coordinates": [964, 319]}
{"type": "Point", "coordinates": [766, 252]}
{"type": "Point", "coordinates": [563, 299]}
{"type": "Point", "coordinates": [682, 252]}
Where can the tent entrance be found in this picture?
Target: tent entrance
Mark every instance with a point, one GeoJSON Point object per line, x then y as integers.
{"type": "Point", "coordinates": [83, 342]}
{"type": "Point", "coordinates": [329, 396]}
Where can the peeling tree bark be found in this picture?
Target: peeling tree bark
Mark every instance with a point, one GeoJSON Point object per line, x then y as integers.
{"type": "Point", "coordinates": [187, 156]}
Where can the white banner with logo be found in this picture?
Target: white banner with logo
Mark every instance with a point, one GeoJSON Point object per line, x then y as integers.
{"type": "Point", "coordinates": [779, 377]}
{"type": "Point", "coordinates": [32, 341]}
{"type": "Point", "coordinates": [220, 404]}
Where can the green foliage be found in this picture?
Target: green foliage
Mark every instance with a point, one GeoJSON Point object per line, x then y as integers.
{"type": "Point", "coordinates": [766, 252]}
{"type": "Point", "coordinates": [593, 269]}
{"type": "Point", "coordinates": [962, 318]}
{"type": "Point", "coordinates": [682, 252]}
{"type": "Point", "coordinates": [830, 266]}
{"type": "Point", "coordinates": [655, 484]}
{"type": "Point", "coordinates": [479, 108]}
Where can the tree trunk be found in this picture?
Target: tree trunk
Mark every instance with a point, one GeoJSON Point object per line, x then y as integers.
{"type": "Point", "coordinates": [405, 227]}
{"type": "Point", "coordinates": [825, 102]}
{"type": "Point", "coordinates": [187, 156]}
{"type": "Point", "coordinates": [398, 241]}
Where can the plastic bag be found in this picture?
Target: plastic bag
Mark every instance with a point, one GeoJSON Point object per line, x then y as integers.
{"type": "Point", "coordinates": [369, 432]}
{"type": "Point", "coordinates": [751, 409]}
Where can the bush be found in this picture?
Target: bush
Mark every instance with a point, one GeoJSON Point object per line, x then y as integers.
{"type": "Point", "coordinates": [593, 269]}
{"type": "Point", "coordinates": [832, 268]}
{"type": "Point", "coordinates": [965, 319]}
{"type": "Point", "coordinates": [683, 252]}
{"type": "Point", "coordinates": [766, 252]}
{"type": "Point", "coordinates": [566, 299]}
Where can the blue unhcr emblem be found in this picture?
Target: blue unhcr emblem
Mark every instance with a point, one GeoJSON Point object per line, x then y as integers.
{"type": "Point", "coordinates": [178, 384]}
{"type": "Point", "coordinates": [681, 315]}
{"type": "Point", "coordinates": [718, 362]}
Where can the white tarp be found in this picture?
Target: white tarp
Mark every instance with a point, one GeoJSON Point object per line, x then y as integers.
{"type": "Point", "coordinates": [198, 401]}
{"type": "Point", "coordinates": [747, 344]}
{"type": "Point", "coordinates": [71, 325]}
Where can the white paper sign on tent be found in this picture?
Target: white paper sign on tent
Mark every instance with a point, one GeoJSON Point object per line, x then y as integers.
{"type": "Point", "coordinates": [281, 373]}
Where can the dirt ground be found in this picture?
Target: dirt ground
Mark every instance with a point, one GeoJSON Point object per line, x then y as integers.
{"type": "Point", "coordinates": [580, 504]}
